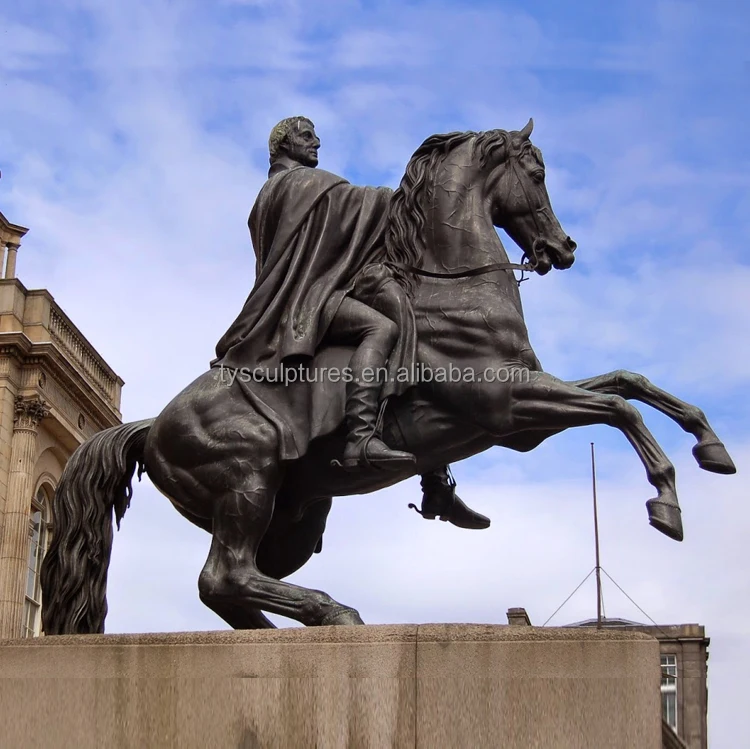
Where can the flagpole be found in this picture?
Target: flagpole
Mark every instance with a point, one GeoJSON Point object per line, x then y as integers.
{"type": "Point", "coordinates": [596, 544]}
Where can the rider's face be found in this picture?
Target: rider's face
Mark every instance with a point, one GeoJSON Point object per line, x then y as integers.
{"type": "Point", "coordinates": [302, 144]}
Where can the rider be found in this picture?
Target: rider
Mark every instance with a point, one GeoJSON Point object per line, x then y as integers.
{"type": "Point", "coordinates": [335, 286]}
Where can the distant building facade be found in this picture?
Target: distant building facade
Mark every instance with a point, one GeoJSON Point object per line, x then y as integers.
{"type": "Point", "coordinates": [56, 391]}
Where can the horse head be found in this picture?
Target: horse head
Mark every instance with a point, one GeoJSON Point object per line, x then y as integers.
{"type": "Point", "coordinates": [520, 205]}
{"type": "Point", "coordinates": [435, 213]}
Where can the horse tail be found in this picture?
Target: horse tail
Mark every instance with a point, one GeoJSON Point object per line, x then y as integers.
{"type": "Point", "coordinates": [96, 481]}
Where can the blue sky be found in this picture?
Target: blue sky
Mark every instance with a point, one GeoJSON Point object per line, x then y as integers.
{"type": "Point", "coordinates": [133, 145]}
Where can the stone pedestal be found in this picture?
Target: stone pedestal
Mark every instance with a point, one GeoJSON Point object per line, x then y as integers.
{"type": "Point", "coordinates": [427, 686]}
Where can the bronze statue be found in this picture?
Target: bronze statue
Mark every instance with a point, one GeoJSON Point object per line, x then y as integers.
{"type": "Point", "coordinates": [322, 279]}
{"type": "Point", "coordinates": [258, 469]}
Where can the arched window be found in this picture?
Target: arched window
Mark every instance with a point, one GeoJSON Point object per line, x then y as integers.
{"type": "Point", "coordinates": [38, 541]}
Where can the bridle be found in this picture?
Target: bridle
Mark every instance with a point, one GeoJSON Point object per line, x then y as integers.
{"type": "Point", "coordinates": [524, 267]}
{"type": "Point", "coordinates": [491, 268]}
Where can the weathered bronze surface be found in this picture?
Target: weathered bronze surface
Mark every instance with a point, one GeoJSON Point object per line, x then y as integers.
{"type": "Point", "coordinates": [414, 283]}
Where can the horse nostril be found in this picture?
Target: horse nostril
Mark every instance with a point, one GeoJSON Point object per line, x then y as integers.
{"type": "Point", "coordinates": [571, 244]}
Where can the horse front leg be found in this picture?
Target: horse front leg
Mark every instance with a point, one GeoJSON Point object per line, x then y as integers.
{"type": "Point", "coordinates": [548, 404]}
{"type": "Point", "coordinates": [709, 452]}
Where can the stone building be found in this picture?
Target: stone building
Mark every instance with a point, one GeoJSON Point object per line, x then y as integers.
{"type": "Point", "coordinates": [56, 391]}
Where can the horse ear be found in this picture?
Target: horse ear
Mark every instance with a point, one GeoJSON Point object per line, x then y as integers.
{"type": "Point", "coordinates": [526, 132]}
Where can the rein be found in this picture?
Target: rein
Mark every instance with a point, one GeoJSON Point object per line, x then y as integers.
{"type": "Point", "coordinates": [523, 267]}
{"type": "Point", "coordinates": [491, 268]}
{"type": "Point", "coordinates": [465, 273]}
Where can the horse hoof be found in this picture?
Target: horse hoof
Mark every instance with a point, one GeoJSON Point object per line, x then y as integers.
{"type": "Point", "coordinates": [342, 618]}
{"type": "Point", "coordinates": [713, 456]}
{"type": "Point", "coordinates": [665, 517]}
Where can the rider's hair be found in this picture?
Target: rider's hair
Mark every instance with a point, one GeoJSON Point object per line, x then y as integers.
{"type": "Point", "coordinates": [280, 132]}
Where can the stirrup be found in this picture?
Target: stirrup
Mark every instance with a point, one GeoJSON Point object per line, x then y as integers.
{"type": "Point", "coordinates": [351, 464]}
{"type": "Point", "coordinates": [362, 461]}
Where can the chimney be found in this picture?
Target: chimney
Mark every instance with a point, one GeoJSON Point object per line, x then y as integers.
{"type": "Point", "coordinates": [518, 617]}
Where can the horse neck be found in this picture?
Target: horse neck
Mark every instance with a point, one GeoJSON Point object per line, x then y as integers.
{"type": "Point", "coordinates": [459, 232]}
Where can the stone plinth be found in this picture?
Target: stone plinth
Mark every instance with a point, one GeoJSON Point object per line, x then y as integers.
{"type": "Point", "coordinates": [427, 686]}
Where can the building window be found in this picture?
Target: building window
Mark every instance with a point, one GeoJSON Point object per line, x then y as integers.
{"type": "Point", "coordinates": [38, 540]}
{"type": "Point", "coordinates": [669, 690]}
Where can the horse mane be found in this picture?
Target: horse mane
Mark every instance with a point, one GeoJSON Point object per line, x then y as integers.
{"type": "Point", "coordinates": [404, 238]}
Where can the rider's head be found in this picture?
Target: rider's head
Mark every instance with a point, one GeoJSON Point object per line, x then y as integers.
{"type": "Point", "coordinates": [295, 139]}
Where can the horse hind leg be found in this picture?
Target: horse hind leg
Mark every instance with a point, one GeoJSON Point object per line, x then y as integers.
{"type": "Point", "coordinates": [239, 617]}
{"type": "Point", "coordinates": [232, 583]}
{"type": "Point", "coordinates": [286, 547]}
{"type": "Point", "coordinates": [709, 452]}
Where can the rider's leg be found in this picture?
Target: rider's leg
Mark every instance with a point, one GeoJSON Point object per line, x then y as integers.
{"type": "Point", "coordinates": [378, 289]}
{"type": "Point", "coordinates": [375, 336]}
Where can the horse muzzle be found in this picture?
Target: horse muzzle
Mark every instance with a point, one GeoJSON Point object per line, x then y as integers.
{"type": "Point", "coordinates": [546, 255]}
{"type": "Point", "coordinates": [560, 254]}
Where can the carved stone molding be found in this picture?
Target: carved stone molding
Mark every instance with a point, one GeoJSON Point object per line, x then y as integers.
{"type": "Point", "coordinates": [29, 412]}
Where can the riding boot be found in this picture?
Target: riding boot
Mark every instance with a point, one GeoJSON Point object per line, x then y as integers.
{"type": "Point", "coordinates": [364, 448]}
{"type": "Point", "coordinates": [439, 499]}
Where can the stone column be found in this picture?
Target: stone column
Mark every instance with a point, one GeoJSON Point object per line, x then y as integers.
{"type": "Point", "coordinates": [14, 535]}
{"type": "Point", "coordinates": [10, 268]}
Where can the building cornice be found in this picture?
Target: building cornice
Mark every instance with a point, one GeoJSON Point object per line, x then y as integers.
{"type": "Point", "coordinates": [69, 378]}
{"type": "Point", "coordinates": [9, 232]}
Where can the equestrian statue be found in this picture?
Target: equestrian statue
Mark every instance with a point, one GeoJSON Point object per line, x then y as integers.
{"type": "Point", "coordinates": [320, 387]}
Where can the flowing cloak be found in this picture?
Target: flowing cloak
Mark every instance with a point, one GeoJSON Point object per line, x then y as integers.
{"type": "Point", "coordinates": [313, 234]}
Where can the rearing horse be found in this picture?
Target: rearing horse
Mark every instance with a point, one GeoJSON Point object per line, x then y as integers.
{"type": "Point", "coordinates": [216, 458]}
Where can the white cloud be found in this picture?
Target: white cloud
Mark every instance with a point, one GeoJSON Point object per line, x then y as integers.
{"type": "Point", "coordinates": [27, 49]}
{"type": "Point", "coordinates": [374, 49]}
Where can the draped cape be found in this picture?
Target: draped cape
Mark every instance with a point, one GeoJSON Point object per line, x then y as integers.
{"type": "Point", "coordinates": [313, 234]}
